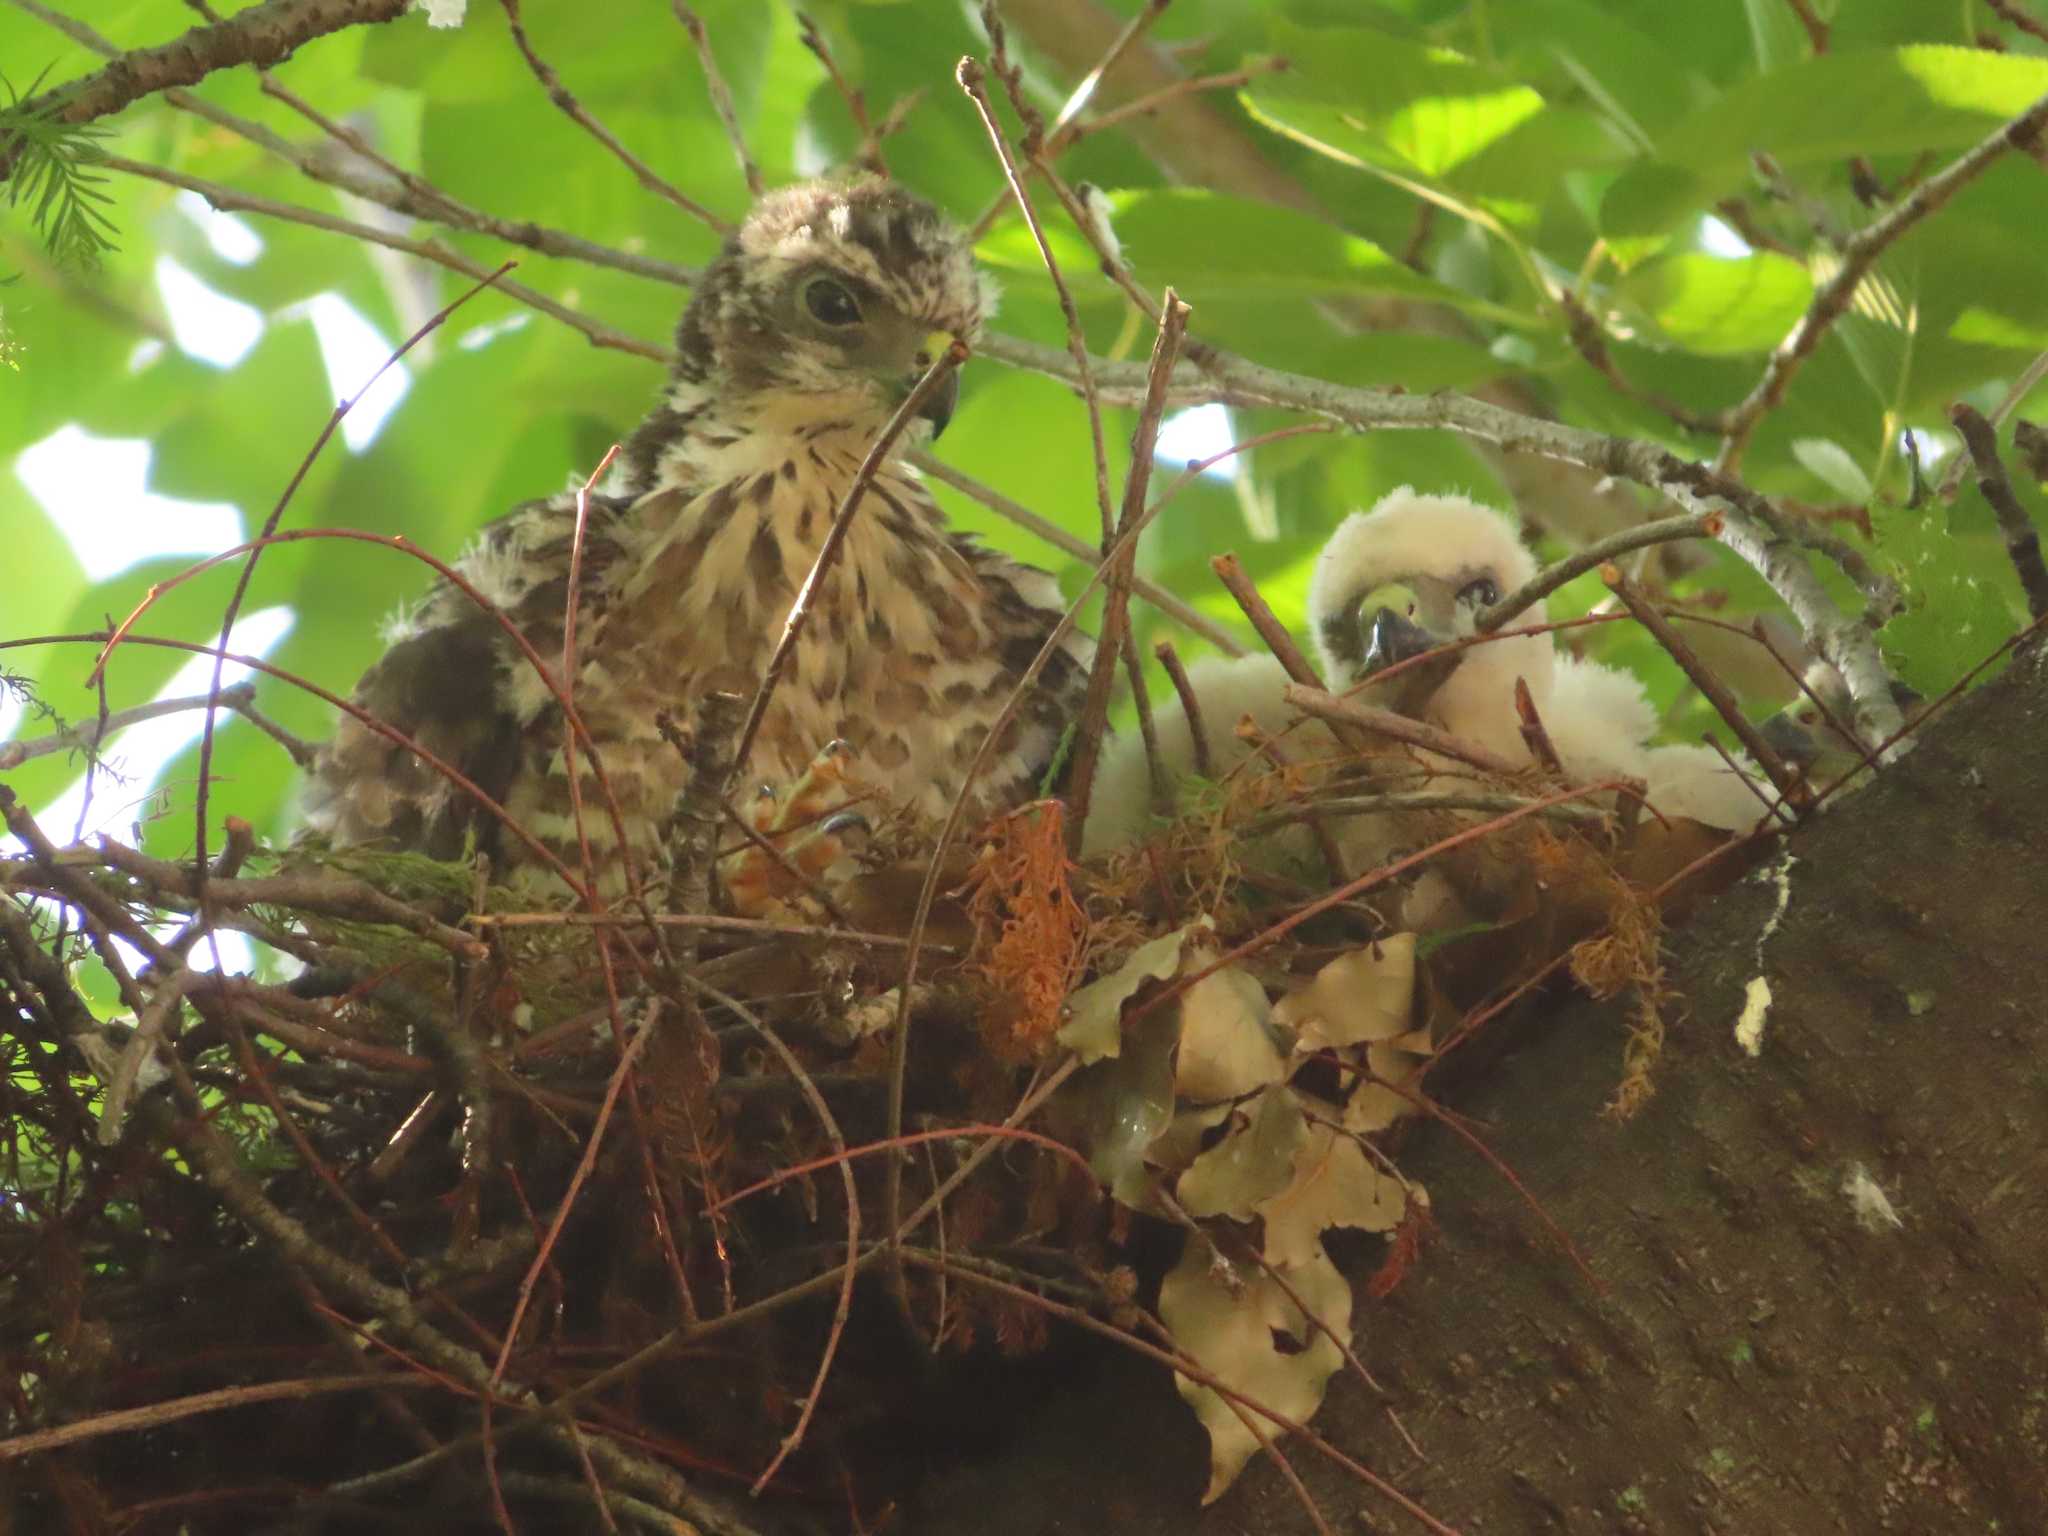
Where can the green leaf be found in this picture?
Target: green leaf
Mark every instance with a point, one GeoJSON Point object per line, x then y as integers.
{"type": "Point", "coordinates": [1716, 306]}
{"type": "Point", "coordinates": [1833, 465]}
{"type": "Point", "coordinates": [1895, 101]}
{"type": "Point", "coordinates": [1962, 595]}
{"type": "Point", "coordinates": [1215, 248]}
{"type": "Point", "coordinates": [1362, 95]}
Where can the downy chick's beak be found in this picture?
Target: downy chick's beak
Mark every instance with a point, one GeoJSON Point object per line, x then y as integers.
{"type": "Point", "coordinates": [1390, 635]}
{"type": "Point", "coordinates": [939, 404]}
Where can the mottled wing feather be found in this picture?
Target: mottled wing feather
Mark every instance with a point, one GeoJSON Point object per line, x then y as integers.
{"type": "Point", "coordinates": [455, 684]}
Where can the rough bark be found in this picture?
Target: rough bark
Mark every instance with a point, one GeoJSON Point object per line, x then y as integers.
{"type": "Point", "coordinates": [1761, 1361]}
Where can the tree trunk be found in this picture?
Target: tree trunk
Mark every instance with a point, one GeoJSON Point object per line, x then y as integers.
{"type": "Point", "coordinates": [1766, 1356]}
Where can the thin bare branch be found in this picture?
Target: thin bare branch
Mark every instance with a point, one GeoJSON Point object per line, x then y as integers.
{"type": "Point", "coordinates": [1183, 613]}
{"type": "Point", "coordinates": [151, 1415]}
{"type": "Point", "coordinates": [1384, 722]}
{"type": "Point", "coordinates": [721, 98]}
{"type": "Point", "coordinates": [2015, 14]}
{"type": "Point", "coordinates": [1190, 707]}
{"type": "Point", "coordinates": [971, 77]}
{"type": "Point", "coordinates": [1114, 640]}
{"type": "Point", "coordinates": [1690, 525]}
{"type": "Point", "coordinates": [1783, 779]}
{"type": "Point", "coordinates": [2022, 539]}
{"type": "Point", "coordinates": [565, 100]}
{"type": "Point", "coordinates": [228, 200]}
{"type": "Point", "coordinates": [1859, 253]}
{"type": "Point", "coordinates": [842, 520]}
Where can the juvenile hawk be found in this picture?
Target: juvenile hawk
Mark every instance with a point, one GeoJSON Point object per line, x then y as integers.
{"type": "Point", "coordinates": [805, 335]}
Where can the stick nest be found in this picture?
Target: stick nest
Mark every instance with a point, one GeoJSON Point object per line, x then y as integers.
{"type": "Point", "coordinates": [270, 1242]}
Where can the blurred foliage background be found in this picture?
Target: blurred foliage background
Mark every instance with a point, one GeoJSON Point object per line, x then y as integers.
{"type": "Point", "coordinates": [1419, 200]}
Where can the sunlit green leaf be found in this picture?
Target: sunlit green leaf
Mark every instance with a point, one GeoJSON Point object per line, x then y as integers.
{"type": "Point", "coordinates": [1713, 305]}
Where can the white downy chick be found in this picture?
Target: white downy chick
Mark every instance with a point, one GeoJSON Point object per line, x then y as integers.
{"type": "Point", "coordinates": [1228, 689]}
{"type": "Point", "coordinates": [1409, 576]}
{"type": "Point", "coordinates": [1413, 574]}
{"type": "Point", "coordinates": [1601, 722]}
{"type": "Point", "coordinates": [1406, 577]}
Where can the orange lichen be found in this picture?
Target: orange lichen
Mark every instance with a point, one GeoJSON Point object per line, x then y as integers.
{"type": "Point", "coordinates": [1030, 933]}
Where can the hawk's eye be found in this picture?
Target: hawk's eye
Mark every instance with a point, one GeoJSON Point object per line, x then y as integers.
{"type": "Point", "coordinates": [830, 303]}
{"type": "Point", "coordinates": [1482, 592]}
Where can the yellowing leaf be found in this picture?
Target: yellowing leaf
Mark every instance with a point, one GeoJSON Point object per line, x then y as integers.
{"type": "Point", "coordinates": [1334, 1185]}
{"type": "Point", "coordinates": [1254, 1161]}
{"type": "Point", "coordinates": [1356, 997]}
{"type": "Point", "coordinates": [1226, 1048]}
{"type": "Point", "coordinates": [1095, 1029]}
{"type": "Point", "coordinates": [1181, 1142]}
{"type": "Point", "coordinates": [1375, 1106]}
{"type": "Point", "coordinates": [1228, 1328]}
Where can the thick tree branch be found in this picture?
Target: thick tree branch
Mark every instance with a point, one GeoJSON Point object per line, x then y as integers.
{"type": "Point", "coordinates": [262, 35]}
{"type": "Point", "coordinates": [2022, 541]}
{"type": "Point", "coordinates": [1774, 545]}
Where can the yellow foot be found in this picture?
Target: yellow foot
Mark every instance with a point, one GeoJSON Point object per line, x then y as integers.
{"type": "Point", "coordinates": [812, 830]}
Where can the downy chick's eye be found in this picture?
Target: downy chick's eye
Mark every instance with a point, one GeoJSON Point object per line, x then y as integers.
{"type": "Point", "coordinates": [1482, 592]}
{"type": "Point", "coordinates": [830, 303]}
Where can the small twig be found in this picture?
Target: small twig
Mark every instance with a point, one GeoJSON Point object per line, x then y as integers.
{"type": "Point", "coordinates": [248, 571]}
{"type": "Point", "coordinates": [1774, 810]}
{"type": "Point", "coordinates": [706, 751]}
{"type": "Point", "coordinates": [619, 1077]}
{"type": "Point", "coordinates": [1787, 783]}
{"type": "Point", "coordinates": [1184, 613]}
{"type": "Point", "coordinates": [2021, 387]}
{"type": "Point", "coordinates": [238, 697]}
{"type": "Point", "coordinates": [1534, 736]}
{"type": "Point", "coordinates": [1816, 29]}
{"type": "Point", "coordinates": [712, 921]}
{"type": "Point", "coordinates": [1082, 94]}
{"type": "Point", "coordinates": [1590, 338]}
{"type": "Point", "coordinates": [842, 521]}
{"type": "Point", "coordinates": [1230, 571]}
{"type": "Point", "coordinates": [830, 1125]}
{"type": "Point", "coordinates": [2022, 539]}
{"type": "Point", "coordinates": [1416, 733]}
{"type": "Point", "coordinates": [149, 1029]}
{"type": "Point", "coordinates": [1689, 525]}
{"type": "Point", "coordinates": [721, 98]}
{"type": "Point", "coordinates": [1859, 253]}
{"type": "Point", "coordinates": [152, 1415]}
{"type": "Point", "coordinates": [1145, 106]}
{"type": "Point", "coordinates": [227, 199]}
{"type": "Point", "coordinates": [1337, 807]}
{"type": "Point", "coordinates": [2011, 12]}
{"type": "Point", "coordinates": [1190, 707]}
{"type": "Point", "coordinates": [899, 1061]}
{"type": "Point", "coordinates": [571, 603]}
{"type": "Point", "coordinates": [971, 77]}
{"type": "Point", "coordinates": [1115, 637]}
{"type": "Point", "coordinates": [575, 111]}
{"type": "Point", "coordinates": [870, 155]}
{"type": "Point", "coordinates": [1141, 709]}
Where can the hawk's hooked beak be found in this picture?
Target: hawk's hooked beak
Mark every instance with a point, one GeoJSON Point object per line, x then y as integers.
{"type": "Point", "coordinates": [938, 405]}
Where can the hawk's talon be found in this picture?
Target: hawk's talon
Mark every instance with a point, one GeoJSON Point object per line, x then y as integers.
{"type": "Point", "coordinates": [804, 827]}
